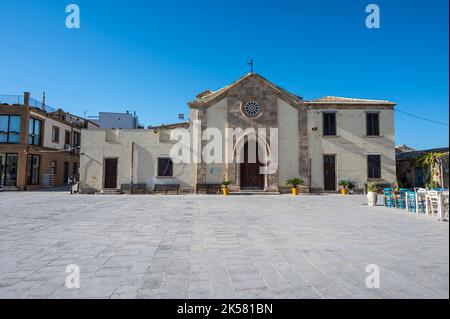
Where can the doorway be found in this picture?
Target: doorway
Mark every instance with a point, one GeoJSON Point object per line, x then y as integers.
{"type": "Point", "coordinates": [110, 173]}
{"type": "Point", "coordinates": [329, 172]}
{"type": "Point", "coordinates": [66, 173]}
{"type": "Point", "coordinates": [251, 178]}
{"type": "Point", "coordinates": [8, 169]}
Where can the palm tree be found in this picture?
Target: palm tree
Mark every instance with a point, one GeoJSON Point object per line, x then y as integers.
{"type": "Point", "coordinates": [431, 160]}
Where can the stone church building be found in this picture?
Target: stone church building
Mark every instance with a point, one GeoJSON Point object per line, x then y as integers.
{"type": "Point", "coordinates": [321, 141]}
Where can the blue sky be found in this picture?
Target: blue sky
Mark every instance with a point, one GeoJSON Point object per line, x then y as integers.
{"type": "Point", "coordinates": [152, 57]}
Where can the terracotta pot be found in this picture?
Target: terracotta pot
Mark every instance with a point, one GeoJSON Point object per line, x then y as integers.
{"type": "Point", "coordinates": [295, 191]}
{"type": "Point", "coordinates": [226, 191]}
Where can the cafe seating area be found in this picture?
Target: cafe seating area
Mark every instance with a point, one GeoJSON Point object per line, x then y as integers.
{"type": "Point", "coordinates": [433, 202]}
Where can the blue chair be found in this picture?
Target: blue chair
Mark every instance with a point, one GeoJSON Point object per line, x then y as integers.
{"type": "Point", "coordinates": [400, 201]}
{"type": "Point", "coordinates": [389, 198]}
{"type": "Point", "coordinates": [411, 198]}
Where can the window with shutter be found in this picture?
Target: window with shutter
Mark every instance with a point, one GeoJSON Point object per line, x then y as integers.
{"type": "Point", "coordinates": [374, 166]}
{"type": "Point", "coordinates": [373, 124]}
{"type": "Point", "coordinates": [329, 124]}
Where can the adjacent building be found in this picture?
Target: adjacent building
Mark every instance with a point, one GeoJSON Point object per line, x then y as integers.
{"type": "Point", "coordinates": [109, 120]}
{"type": "Point", "coordinates": [39, 145]}
{"type": "Point", "coordinates": [320, 141]}
{"type": "Point", "coordinates": [410, 174]}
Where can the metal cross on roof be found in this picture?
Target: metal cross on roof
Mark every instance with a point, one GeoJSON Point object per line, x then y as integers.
{"type": "Point", "coordinates": [251, 65]}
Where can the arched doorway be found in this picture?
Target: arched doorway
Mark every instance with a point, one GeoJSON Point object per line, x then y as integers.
{"type": "Point", "coordinates": [250, 175]}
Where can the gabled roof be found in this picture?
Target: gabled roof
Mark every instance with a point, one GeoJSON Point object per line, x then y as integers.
{"type": "Point", "coordinates": [347, 101]}
{"type": "Point", "coordinates": [208, 98]}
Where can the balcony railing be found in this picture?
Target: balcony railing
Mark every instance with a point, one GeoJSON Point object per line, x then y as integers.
{"type": "Point", "coordinates": [19, 100]}
{"type": "Point", "coordinates": [11, 100]}
{"type": "Point", "coordinates": [39, 105]}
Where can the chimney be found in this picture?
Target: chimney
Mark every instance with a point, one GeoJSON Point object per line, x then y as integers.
{"type": "Point", "coordinates": [203, 94]}
{"type": "Point", "coordinates": [26, 98]}
{"type": "Point", "coordinates": [43, 101]}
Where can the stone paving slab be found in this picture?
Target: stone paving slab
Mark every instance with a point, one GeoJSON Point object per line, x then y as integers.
{"type": "Point", "coordinates": [311, 246]}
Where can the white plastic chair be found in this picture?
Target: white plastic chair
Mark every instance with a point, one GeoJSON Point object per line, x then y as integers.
{"type": "Point", "coordinates": [433, 203]}
{"type": "Point", "coordinates": [421, 200]}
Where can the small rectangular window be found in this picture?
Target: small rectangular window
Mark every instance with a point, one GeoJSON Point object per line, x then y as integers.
{"type": "Point", "coordinates": [75, 169]}
{"type": "Point", "coordinates": [329, 124]}
{"type": "Point", "coordinates": [374, 166]}
{"type": "Point", "coordinates": [55, 134]}
{"type": "Point", "coordinates": [33, 169]}
{"type": "Point", "coordinates": [165, 167]}
{"type": "Point", "coordinates": [373, 124]}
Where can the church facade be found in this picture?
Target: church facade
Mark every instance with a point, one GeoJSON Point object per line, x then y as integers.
{"type": "Point", "coordinates": [321, 141]}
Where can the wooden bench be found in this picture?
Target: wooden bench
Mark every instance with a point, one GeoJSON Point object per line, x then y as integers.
{"type": "Point", "coordinates": [215, 188]}
{"type": "Point", "coordinates": [167, 187]}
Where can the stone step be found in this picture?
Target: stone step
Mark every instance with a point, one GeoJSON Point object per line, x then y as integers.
{"type": "Point", "coordinates": [109, 192]}
{"type": "Point", "coordinates": [255, 192]}
{"type": "Point", "coordinates": [10, 189]}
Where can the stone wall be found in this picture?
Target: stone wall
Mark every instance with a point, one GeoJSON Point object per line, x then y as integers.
{"type": "Point", "coordinates": [253, 89]}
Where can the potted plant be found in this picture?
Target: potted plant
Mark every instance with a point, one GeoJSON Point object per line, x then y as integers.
{"type": "Point", "coordinates": [294, 183]}
{"type": "Point", "coordinates": [344, 186]}
{"type": "Point", "coordinates": [372, 196]}
{"type": "Point", "coordinates": [225, 189]}
{"type": "Point", "coordinates": [351, 187]}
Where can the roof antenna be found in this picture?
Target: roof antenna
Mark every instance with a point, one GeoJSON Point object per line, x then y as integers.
{"type": "Point", "coordinates": [251, 65]}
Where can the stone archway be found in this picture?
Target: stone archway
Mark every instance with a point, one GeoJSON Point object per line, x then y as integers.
{"type": "Point", "coordinates": [249, 174]}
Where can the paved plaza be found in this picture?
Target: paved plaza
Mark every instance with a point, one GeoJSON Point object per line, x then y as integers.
{"type": "Point", "coordinates": [311, 246]}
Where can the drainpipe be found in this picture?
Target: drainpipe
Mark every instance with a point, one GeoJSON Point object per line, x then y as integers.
{"type": "Point", "coordinates": [132, 167]}
{"type": "Point", "coordinates": [26, 168]}
{"type": "Point", "coordinates": [71, 137]}
{"type": "Point", "coordinates": [26, 103]}
{"type": "Point", "coordinates": [309, 175]}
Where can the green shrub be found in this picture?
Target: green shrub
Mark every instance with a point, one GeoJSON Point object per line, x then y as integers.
{"type": "Point", "coordinates": [294, 182]}
{"type": "Point", "coordinates": [372, 187]}
{"type": "Point", "coordinates": [344, 183]}
{"type": "Point", "coordinates": [226, 183]}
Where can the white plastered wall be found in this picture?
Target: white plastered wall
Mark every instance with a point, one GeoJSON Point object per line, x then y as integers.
{"type": "Point", "coordinates": [288, 142]}
{"type": "Point", "coordinates": [100, 144]}
{"type": "Point", "coordinates": [351, 146]}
